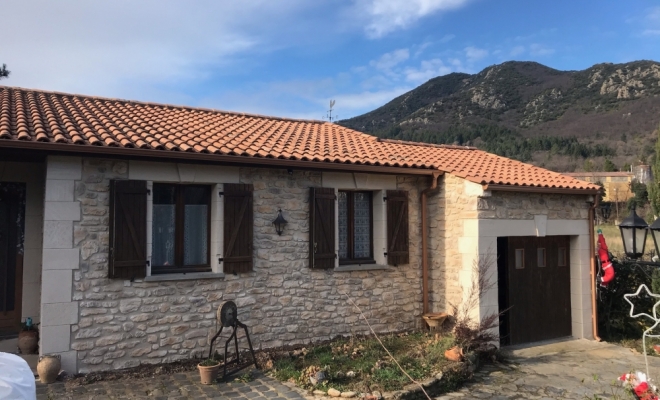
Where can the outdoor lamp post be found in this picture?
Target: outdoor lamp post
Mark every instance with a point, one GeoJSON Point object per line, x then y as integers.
{"type": "Point", "coordinates": [279, 223]}
{"type": "Point", "coordinates": [633, 232]}
{"type": "Point", "coordinates": [655, 234]}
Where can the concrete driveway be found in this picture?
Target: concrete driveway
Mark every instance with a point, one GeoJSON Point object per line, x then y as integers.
{"type": "Point", "coordinates": [575, 369]}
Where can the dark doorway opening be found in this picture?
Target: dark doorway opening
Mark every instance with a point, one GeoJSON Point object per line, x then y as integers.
{"type": "Point", "coordinates": [12, 228]}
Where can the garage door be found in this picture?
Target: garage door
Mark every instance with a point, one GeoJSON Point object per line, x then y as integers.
{"type": "Point", "coordinates": [536, 273]}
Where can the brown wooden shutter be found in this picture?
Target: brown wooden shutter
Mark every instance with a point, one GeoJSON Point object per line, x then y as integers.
{"type": "Point", "coordinates": [128, 229]}
{"type": "Point", "coordinates": [322, 228]}
{"type": "Point", "coordinates": [238, 228]}
{"type": "Point", "coordinates": [397, 227]}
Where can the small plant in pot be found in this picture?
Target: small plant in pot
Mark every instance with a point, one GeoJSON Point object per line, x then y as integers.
{"type": "Point", "coordinates": [208, 371]}
{"type": "Point", "coordinates": [28, 337]}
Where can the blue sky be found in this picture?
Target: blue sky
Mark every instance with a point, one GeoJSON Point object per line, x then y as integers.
{"type": "Point", "coordinates": [290, 57]}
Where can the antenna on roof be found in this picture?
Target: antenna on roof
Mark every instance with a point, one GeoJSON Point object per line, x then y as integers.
{"type": "Point", "coordinates": [329, 113]}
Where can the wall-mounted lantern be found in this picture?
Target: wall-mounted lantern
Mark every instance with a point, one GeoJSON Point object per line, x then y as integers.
{"type": "Point", "coordinates": [279, 222]}
{"type": "Point", "coordinates": [633, 233]}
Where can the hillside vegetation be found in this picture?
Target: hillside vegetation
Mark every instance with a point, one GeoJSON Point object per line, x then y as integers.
{"type": "Point", "coordinates": [563, 120]}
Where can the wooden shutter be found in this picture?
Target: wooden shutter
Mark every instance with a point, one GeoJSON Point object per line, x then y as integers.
{"type": "Point", "coordinates": [397, 227]}
{"type": "Point", "coordinates": [128, 229]}
{"type": "Point", "coordinates": [238, 228]}
{"type": "Point", "coordinates": [322, 228]}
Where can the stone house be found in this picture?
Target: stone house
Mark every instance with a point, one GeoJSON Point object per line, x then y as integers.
{"type": "Point", "coordinates": [124, 225]}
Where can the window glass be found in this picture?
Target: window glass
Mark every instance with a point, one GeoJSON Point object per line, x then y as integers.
{"type": "Point", "coordinates": [520, 258]}
{"type": "Point", "coordinates": [362, 225]}
{"type": "Point", "coordinates": [562, 257]}
{"type": "Point", "coordinates": [343, 224]}
{"type": "Point", "coordinates": [163, 227]}
{"type": "Point", "coordinates": [540, 257]}
{"type": "Point", "coordinates": [195, 226]}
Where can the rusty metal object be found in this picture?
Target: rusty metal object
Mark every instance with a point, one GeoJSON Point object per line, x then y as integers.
{"type": "Point", "coordinates": [227, 317]}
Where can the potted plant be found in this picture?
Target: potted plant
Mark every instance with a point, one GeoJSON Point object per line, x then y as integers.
{"type": "Point", "coordinates": [28, 337]}
{"type": "Point", "coordinates": [208, 371]}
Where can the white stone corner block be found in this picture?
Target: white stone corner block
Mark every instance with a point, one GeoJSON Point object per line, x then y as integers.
{"type": "Point", "coordinates": [59, 190]}
{"type": "Point", "coordinates": [541, 223]}
{"type": "Point", "coordinates": [58, 234]}
{"type": "Point", "coordinates": [59, 167]}
{"type": "Point", "coordinates": [61, 259]}
{"type": "Point", "coordinates": [472, 189]}
{"type": "Point", "coordinates": [62, 211]}
{"type": "Point", "coordinates": [56, 286]}
{"type": "Point", "coordinates": [60, 314]}
{"type": "Point", "coordinates": [54, 339]}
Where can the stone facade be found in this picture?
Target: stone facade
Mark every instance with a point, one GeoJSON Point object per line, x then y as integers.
{"type": "Point", "coordinates": [513, 205]}
{"type": "Point", "coordinates": [123, 324]}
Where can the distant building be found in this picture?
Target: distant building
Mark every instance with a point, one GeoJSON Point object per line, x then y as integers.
{"type": "Point", "coordinates": [616, 184]}
{"type": "Point", "coordinates": [642, 173]}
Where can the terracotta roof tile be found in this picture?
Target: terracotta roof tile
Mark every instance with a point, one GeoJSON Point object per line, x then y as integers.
{"type": "Point", "coordinates": [39, 116]}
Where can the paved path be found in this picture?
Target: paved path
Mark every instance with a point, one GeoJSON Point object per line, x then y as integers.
{"type": "Point", "coordinates": [172, 387]}
{"type": "Point", "coordinates": [576, 369]}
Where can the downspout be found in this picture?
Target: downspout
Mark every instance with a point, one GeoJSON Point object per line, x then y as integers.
{"type": "Point", "coordinates": [592, 255]}
{"type": "Point", "coordinates": [425, 256]}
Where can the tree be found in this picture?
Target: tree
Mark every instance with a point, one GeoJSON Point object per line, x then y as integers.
{"type": "Point", "coordinates": [641, 195]}
{"type": "Point", "coordinates": [654, 185]}
{"type": "Point", "coordinates": [609, 166]}
{"type": "Point", "coordinates": [4, 72]}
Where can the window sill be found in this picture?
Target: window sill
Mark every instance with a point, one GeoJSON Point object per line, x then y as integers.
{"type": "Point", "coordinates": [184, 276]}
{"type": "Point", "coordinates": [362, 267]}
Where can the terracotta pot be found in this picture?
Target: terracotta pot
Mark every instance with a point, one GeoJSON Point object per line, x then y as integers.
{"type": "Point", "coordinates": [49, 368]}
{"type": "Point", "coordinates": [208, 375]}
{"type": "Point", "coordinates": [454, 354]}
{"type": "Point", "coordinates": [28, 341]}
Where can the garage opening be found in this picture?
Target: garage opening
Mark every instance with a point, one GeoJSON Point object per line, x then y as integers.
{"type": "Point", "coordinates": [534, 285]}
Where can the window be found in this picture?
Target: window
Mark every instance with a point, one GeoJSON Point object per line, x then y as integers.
{"type": "Point", "coordinates": [180, 228]}
{"type": "Point", "coordinates": [520, 258]}
{"type": "Point", "coordinates": [540, 257]}
{"type": "Point", "coordinates": [355, 227]}
{"type": "Point", "coordinates": [562, 257]}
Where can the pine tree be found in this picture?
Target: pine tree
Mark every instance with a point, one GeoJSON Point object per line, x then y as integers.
{"type": "Point", "coordinates": [4, 72]}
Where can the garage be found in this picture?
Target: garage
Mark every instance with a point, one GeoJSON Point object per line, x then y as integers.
{"type": "Point", "coordinates": [534, 288]}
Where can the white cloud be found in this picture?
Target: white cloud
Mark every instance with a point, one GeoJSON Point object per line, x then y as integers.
{"type": "Point", "coordinates": [474, 53]}
{"type": "Point", "coordinates": [447, 38]}
{"type": "Point", "coordinates": [537, 49]}
{"type": "Point", "coordinates": [651, 32]}
{"type": "Point", "coordinates": [428, 69]}
{"type": "Point", "coordinates": [133, 49]}
{"type": "Point", "coordinates": [389, 60]}
{"type": "Point", "coordinates": [516, 51]}
{"type": "Point", "coordinates": [386, 16]}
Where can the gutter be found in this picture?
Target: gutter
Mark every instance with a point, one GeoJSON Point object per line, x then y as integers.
{"type": "Point", "coordinates": [538, 189]}
{"type": "Point", "coordinates": [173, 156]}
{"type": "Point", "coordinates": [425, 254]}
{"type": "Point", "coordinates": [592, 256]}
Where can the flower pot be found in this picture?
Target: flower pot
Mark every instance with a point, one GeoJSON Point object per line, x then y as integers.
{"type": "Point", "coordinates": [454, 354]}
{"type": "Point", "coordinates": [434, 320]}
{"type": "Point", "coordinates": [49, 368]}
{"type": "Point", "coordinates": [208, 375]}
{"type": "Point", "coordinates": [28, 341]}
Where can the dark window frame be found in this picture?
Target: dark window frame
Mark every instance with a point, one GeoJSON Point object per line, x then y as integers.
{"type": "Point", "coordinates": [179, 222]}
{"type": "Point", "coordinates": [562, 261]}
{"type": "Point", "coordinates": [351, 229]}
{"type": "Point", "coordinates": [545, 257]}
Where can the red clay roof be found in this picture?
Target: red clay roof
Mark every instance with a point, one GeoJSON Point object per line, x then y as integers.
{"type": "Point", "coordinates": [38, 116]}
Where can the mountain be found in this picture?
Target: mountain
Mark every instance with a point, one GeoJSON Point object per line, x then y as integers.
{"type": "Point", "coordinates": [562, 120]}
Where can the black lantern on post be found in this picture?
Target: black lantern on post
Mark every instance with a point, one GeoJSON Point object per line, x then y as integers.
{"type": "Point", "coordinates": [655, 234]}
{"type": "Point", "coordinates": [279, 222]}
{"type": "Point", "coordinates": [633, 232]}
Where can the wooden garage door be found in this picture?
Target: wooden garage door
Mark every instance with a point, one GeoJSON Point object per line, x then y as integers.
{"type": "Point", "coordinates": [538, 290]}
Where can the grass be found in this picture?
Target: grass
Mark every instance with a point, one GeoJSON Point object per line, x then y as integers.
{"type": "Point", "coordinates": [362, 365]}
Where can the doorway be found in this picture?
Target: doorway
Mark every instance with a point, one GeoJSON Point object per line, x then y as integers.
{"type": "Point", "coordinates": [12, 233]}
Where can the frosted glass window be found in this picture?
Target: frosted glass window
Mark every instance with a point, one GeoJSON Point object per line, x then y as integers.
{"type": "Point", "coordinates": [355, 227]}
{"type": "Point", "coordinates": [540, 257]}
{"type": "Point", "coordinates": [520, 258]}
{"type": "Point", "coordinates": [562, 257]}
{"type": "Point", "coordinates": [163, 226]}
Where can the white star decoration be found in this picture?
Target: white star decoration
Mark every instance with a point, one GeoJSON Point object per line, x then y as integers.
{"type": "Point", "coordinates": [653, 318]}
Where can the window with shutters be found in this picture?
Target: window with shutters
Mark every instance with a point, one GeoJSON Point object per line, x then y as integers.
{"type": "Point", "coordinates": [355, 223]}
{"type": "Point", "coordinates": [180, 228]}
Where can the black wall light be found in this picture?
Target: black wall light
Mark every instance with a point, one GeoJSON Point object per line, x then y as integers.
{"type": "Point", "coordinates": [279, 222]}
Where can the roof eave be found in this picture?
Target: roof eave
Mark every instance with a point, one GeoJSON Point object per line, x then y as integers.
{"type": "Point", "coordinates": [539, 189]}
{"type": "Point", "coordinates": [164, 156]}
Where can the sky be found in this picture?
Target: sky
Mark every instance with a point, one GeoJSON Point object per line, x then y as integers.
{"type": "Point", "coordinates": [289, 58]}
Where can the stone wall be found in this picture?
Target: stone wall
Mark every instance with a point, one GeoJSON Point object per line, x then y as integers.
{"type": "Point", "coordinates": [123, 324]}
{"type": "Point", "coordinates": [512, 205]}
